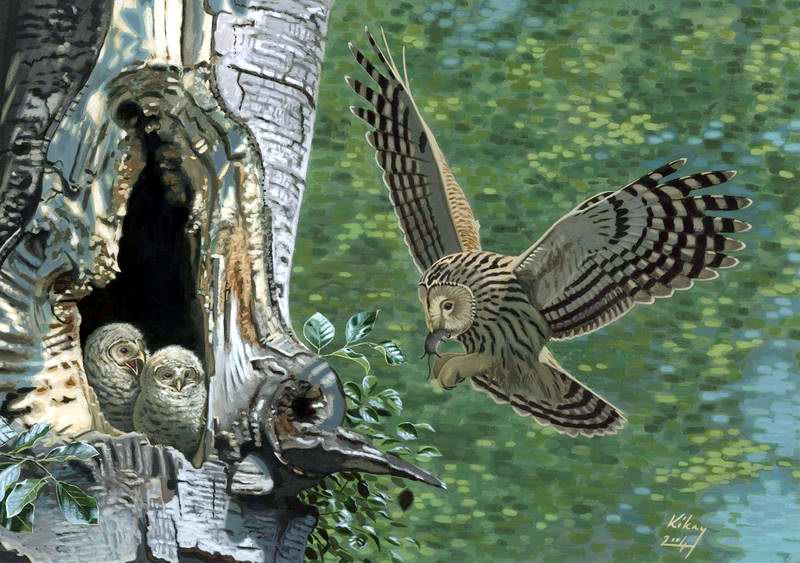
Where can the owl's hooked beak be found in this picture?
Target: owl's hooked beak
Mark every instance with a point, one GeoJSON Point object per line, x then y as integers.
{"type": "Point", "coordinates": [178, 383]}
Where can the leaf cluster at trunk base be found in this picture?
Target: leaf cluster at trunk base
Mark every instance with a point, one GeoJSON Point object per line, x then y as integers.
{"type": "Point", "coordinates": [18, 457]}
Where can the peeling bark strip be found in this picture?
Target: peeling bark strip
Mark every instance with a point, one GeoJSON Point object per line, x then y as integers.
{"type": "Point", "coordinates": [40, 77]}
{"type": "Point", "coordinates": [271, 55]}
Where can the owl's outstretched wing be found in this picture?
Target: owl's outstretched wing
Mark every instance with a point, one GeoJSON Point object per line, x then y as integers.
{"type": "Point", "coordinates": [554, 398]}
{"type": "Point", "coordinates": [433, 212]}
{"type": "Point", "coordinates": [616, 249]}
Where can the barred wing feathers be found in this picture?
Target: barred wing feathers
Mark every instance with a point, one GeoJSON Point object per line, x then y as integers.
{"type": "Point", "coordinates": [574, 410]}
{"type": "Point", "coordinates": [616, 249]}
{"type": "Point", "coordinates": [433, 212]}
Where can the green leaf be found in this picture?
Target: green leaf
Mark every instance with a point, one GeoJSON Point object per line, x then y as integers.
{"type": "Point", "coordinates": [424, 426]}
{"type": "Point", "coordinates": [358, 541]}
{"type": "Point", "coordinates": [74, 451]}
{"type": "Point", "coordinates": [76, 505]}
{"type": "Point", "coordinates": [392, 400]}
{"type": "Point", "coordinates": [353, 356]}
{"type": "Point", "coordinates": [392, 353]}
{"type": "Point", "coordinates": [28, 438]}
{"type": "Point", "coordinates": [353, 392]}
{"type": "Point", "coordinates": [369, 414]}
{"type": "Point", "coordinates": [406, 431]}
{"type": "Point", "coordinates": [360, 325]}
{"type": "Point", "coordinates": [373, 534]}
{"type": "Point", "coordinates": [379, 404]}
{"type": "Point", "coordinates": [318, 331]}
{"type": "Point", "coordinates": [8, 477]}
{"type": "Point", "coordinates": [368, 384]}
{"type": "Point", "coordinates": [23, 494]}
{"type": "Point", "coordinates": [22, 522]}
{"type": "Point", "coordinates": [7, 432]}
{"type": "Point", "coordinates": [427, 452]}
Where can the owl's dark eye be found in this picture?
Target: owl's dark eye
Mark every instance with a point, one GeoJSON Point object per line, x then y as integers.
{"type": "Point", "coordinates": [448, 306]}
{"type": "Point", "coordinates": [124, 350]}
{"type": "Point", "coordinates": [164, 374]}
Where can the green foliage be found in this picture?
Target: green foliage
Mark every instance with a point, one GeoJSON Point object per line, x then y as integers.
{"type": "Point", "coordinates": [19, 496]}
{"type": "Point", "coordinates": [319, 332]}
{"type": "Point", "coordinates": [354, 508]}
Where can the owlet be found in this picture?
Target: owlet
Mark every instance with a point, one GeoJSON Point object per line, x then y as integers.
{"type": "Point", "coordinates": [171, 408]}
{"type": "Point", "coordinates": [113, 357]}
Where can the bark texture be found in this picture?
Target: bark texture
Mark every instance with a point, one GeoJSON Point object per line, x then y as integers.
{"type": "Point", "coordinates": [170, 198]}
{"type": "Point", "coordinates": [268, 75]}
{"type": "Point", "coordinates": [151, 103]}
{"type": "Point", "coordinates": [40, 80]}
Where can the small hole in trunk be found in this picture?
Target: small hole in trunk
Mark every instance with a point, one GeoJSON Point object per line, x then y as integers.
{"type": "Point", "coordinates": [155, 290]}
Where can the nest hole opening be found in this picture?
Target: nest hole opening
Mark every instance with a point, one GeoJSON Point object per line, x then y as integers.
{"type": "Point", "coordinates": [156, 287]}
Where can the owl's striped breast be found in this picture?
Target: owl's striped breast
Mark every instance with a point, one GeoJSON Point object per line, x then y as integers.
{"type": "Point", "coordinates": [506, 324]}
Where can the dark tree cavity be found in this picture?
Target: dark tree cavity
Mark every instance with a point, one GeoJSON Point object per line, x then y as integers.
{"type": "Point", "coordinates": [156, 260]}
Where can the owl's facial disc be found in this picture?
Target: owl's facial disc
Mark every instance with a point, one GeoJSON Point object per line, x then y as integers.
{"type": "Point", "coordinates": [178, 377]}
{"type": "Point", "coordinates": [449, 311]}
{"type": "Point", "coordinates": [450, 308]}
{"type": "Point", "coordinates": [129, 354]}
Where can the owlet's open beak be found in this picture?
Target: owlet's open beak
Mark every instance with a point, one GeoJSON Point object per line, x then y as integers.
{"type": "Point", "coordinates": [136, 365]}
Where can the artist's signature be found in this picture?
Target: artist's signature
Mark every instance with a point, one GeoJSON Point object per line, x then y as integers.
{"type": "Point", "coordinates": [684, 533]}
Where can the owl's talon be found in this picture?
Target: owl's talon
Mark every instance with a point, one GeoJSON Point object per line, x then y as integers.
{"type": "Point", "coordinates": [447, 370]}
{"type": "Point", "coordinates": [452, 369]}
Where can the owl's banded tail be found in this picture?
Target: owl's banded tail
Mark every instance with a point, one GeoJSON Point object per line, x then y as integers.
{"type": "Point", "coordinates": [574, 408]}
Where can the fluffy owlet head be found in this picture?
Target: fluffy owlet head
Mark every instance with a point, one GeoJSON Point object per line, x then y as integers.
{"type": "Point", "coordinates": [116, 349]}
{"type": "Point", "coordinates": [449, 308]}
{"type": "Point", "coordinates": [174, 370]}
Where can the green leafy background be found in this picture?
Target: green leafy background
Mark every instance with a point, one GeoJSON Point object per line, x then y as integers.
{"type": "Point", "coordinates": [537, 105]}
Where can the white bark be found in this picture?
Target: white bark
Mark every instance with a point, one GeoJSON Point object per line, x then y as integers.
{"type": "Point", "coordinates": [216, 100]}
{"type": "Point", "coordinates": [159, 57]}
{"type": "Point", "coordinates": [268, 75]}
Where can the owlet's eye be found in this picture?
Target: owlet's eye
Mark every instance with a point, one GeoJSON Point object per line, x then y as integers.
{"type": "Point", "coordinates": [124, 350]}
{"type": "Point", "coordinates": [448, 306]}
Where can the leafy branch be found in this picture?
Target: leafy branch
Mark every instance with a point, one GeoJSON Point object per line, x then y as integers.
{"type": "Point", "coordinates": [319, 332]}
{"type": "Point", "coordinates": [355, 508]}
{"type": "Point", "coordinates": [19, 496]}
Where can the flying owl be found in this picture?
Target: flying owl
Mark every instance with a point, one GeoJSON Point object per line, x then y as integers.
{"type": "Point", "coordinates": [113, 357]}
{"type": "Point", "coordinates": [615, 250]}
{"type": "Point", "coordinates": [171, 409]}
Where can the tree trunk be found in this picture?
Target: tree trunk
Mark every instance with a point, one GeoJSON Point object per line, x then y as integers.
{"type": "Point", "coordinates": [176, 136]}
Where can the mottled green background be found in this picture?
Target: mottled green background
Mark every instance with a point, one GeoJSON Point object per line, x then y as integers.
{"type": "Point", "coordinates": [537, 105]}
